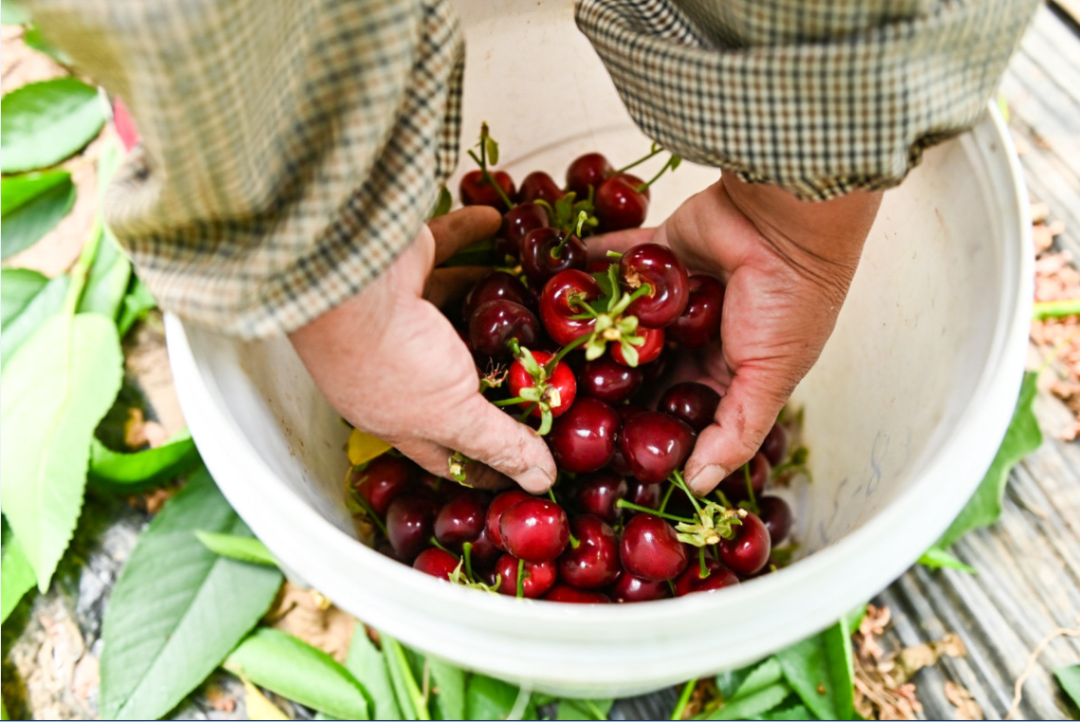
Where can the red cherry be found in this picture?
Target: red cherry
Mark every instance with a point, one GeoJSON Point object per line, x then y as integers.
{"type": "Point", "coordinates": [776, 515]}
{"type": "Point", "coordinates": [608, 381]}
{"type": "Point", "coordinates": [646, 495]}
{"type": "Point", "coordinates": [475, 191]}
{"type": "Point", "coordinates": [498, 505]}
{"type": "Point", "coordinates": [690, 402]}
{"type": "Point", "coordinates": [734, 486]}
{"type": "Point", "coordinates": [539, 577]}
{"type": "Point", "coordinates": [657, 266]}
{"type": "Point", "coordinates": [599, 493]}
{"type": "Point", "coordinates": [560, 389]}
{"type": "Point", "coordinates": [483, 553]}
{"type": "Point", "coordinates": [583, 439]}
{"type": "Point", "coordinates": [619, 205]}
{"type": "Point", "coordinates": [461, 519]}
{"type": "Point", "coordinates": [650, 549]}
{"type": "Point", "coordinates": [747, 553]}
{"type": "Point", "coordinates": [628, 588]}
{"type": "Point", "coordinates": [655, 445]}
{"type": "Point", "coordinates": [570, 595]}
{"type": "Point", "coordinates": [717, 576]}
{"type": "Point", "coordinates": [436, 562]}
{"type": "Point", "coordinates": [588, 170]}
{"type": "Point", "coordinates": [699, 323]}
{"type": "Point", "coordinates": [775, 445]}
{"type": "Point", "coordinates": [535, 530]}
{"type": "Point", "coordinates": [538, 254]}
{"type": "Point", "coordinates": [516, 224]}
{"type": "Point", "coordinates": [647, 352]}
{"type": "Point", "coordinates": [408, 524]}
{"type": "Point", "coordinates": [499, 286]}
{"type": "Point", "coordinates": [381, 481]}
{"type": "Point", "coordinates": [594, 563]}
{"type": "Point", "coordinates": [496, 322]}
{"type": "Point", "coordinates": [636, 183]}
{"type": "Point", "coordinates": [539, 186]}
{"type": "Point", "coordinates": [556, 311]}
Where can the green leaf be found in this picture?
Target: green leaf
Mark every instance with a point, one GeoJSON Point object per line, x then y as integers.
{"type": "Point", "coordinates": [756, 703]}
{"type": "Point", "coordinates": [449, 680]}
{"type": "Point", "coordinates": [492, 149]}
{"type": "Point", "coordinates": [937, 558]}
{"type": "Point", "coordinates": [137, 303]}
{"type": "Point", "coordinates": [18, 286]}
{"type": "Point", "coordinates": [34, 39]}
{"type": "Point", "coordinates": [296, 670]}
{"type": "Point", "coordinates": [821, 671]}
{"type": "Point", "coordinates": [178, 609]}
{"type": "Point", "coordinates": [583, 709]}
{"type": "Point", "coordinates": [365, 663]}
{"type": "Point", "coordinates": [241, 548]}
{"type": "Point", "coordinates": [45, 304]}
{"type": "Point", "coordinates": [763, 675]}
{"type": "Point", "coordinates": [792, 711]}
{"type": "Point", "coordinates": [1069, 679]}
{"type": "Point", "coordinates": [54, 392]}
{"type": "Point", "coordinates": [402, 679]}
{"type": "Point", "coordinates": [130, 473]}
{"type": "Point", "coordinates": [481, 253]}
{"type": "Point", "coordinates": [16, 574]}
{"type": "Point", "coordinates": [487, 698]}
{"type": "Point", "coordinates": [107, 284]}
{"type": "Point", "coordinates": [43, 123]}
{"type": "Point", "coordinates": [32, 206]}
{"type": "Point", "coordinates": [443, 204]}
{"type": "Point", "coordinates": [12, 13]}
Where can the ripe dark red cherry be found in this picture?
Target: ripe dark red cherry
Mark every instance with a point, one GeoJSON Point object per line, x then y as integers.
{"type": "Point", "coordinates": [628, 588]}
{"type": "Point", "coordinates": [535, 530]}
{"type": "Point", "coordinates": [560, 387]}
{"type": "Point", "coordinates": [599, 493]}
{"type": "Point", "coordinates": [594, 563]}
{"type": "Point", "coordinates": [717, 577]}
{"type": "Point", "coordinates": [539, 577]}
{"type": "Point", "coordinates": [498, 505]}
{"type": "Point", "coordinates": [647, 352]}
{"type": "Point", "coordinates": [583, 439]}
{"type": "Point", "coordinates": [381, 481]}
{"type": "Point", "coordinates": [650, 549]}
{"type": "Point", "coordinates": [436, 562]}
{"type": "Point", "coordinates": [690, 402]}
{"type": "Point", "coordinates": [556, 310]}
{"type": "Point", "coordinates": [636, 183]}
{"type": "Point", "coordinates": [657, 266]}
{"type": "Point", "coordinates": [570, 595]}
{"type": "Point", "coordinates": [655, 445]}
{"type": "Point", "coordinates": [619, 205]}
{"type": "Point", "coordinates": [483, 552]}
{"type": "Point", "coordinates": [539, 186]}
{"type": "Point", "coordinates": [408, 523]}
{"type": "Point", "coordinates": [475, 191]}
{"type": "Point", "coordinates": [608, 381]}
{"type": "Point", "coordinates": [776, 516]}
{"type": "Point", "coordinates": [543, 254]}
{"type": "Point", "coordinates": [587, 170]}
{"type": "Point", "coordinates": [646, 495]}
{"type": "Point", "coordinates": [499, 286]}
{"type": "Point", "coordinates": [734, 486]}
{"type": "Point", "coordinates": [775, 445]}
{"type": "Point", "coordinates": [496, 322]}
{"type": "Point", "coordinates": [461, 519]}
{"type": "Point", "coordinates": [516, 224]}
{"type": "Point", "coordinates": [699, 323]}
{"type": "Point", "coordinates": [747, 553]}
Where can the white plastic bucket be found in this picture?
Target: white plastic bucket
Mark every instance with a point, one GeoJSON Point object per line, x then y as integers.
{"type": "Point", "coordinates": [904, 411]}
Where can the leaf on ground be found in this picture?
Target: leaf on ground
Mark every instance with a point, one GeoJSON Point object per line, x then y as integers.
{"type": "Point", "coordinates": [912, 659]}
{"type": "Point", "coordinates": [401, 677]}
{"type": "Point", "coordinates": [178, 609]}
{"type": "Point", "coordinates": [448, 683]}
{"type": "Point", "coordinates": [18, 288]}
{"type": "Point", "coordinates": [966, 706]}
{"type": "Point", "coordinates": [821, 671]}
{"type": "Point", "coordinates": [16, 574]}
{"type": "Point", "coordinates": [758, 702]}
{"type": "Point", "coordinates": [34, 39]}
{"type": "Point", "coordinates": [33, 204]}
{"type": "Point", "coordinates": [54, 392]}
{"type": "Point", "coordinates": [233, 546]}
{"type": "Point", "coordinates": [1069, 679]}
{"type": "Point", "coordinates": [107, 283]}
{"type": "Point", "coordinates": [136, 305]}
{"type": "Point", "coordinates": [295, 670]}
{"type": "Point", "coordinates": [487, 698]}
{"type": "Point", "coordinates": [45, 303]}
{"type": "Point", "coordinates": [129, 473]}
{"type": "Point", "coordinates": [583, 709]}
{"type": "Point", "coordinates": [43, 123]}
{"type": "Point", "coordinates": [937, 558]}
{"type": "Point", "coordinates": [258, 706]}
{"type": "Point", "coordinates": [366, 663]}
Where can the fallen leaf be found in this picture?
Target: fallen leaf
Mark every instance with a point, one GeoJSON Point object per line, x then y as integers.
{"type": "Point", "coordinates": [258, 706]}
{"type": "Point", "coordinates": [966, 706]}
{"type": "Point", "coordinates": [308, 615]}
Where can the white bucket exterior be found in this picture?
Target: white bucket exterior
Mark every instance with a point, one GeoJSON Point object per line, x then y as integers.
{"type": "Point", "coordinates": [904, 411]}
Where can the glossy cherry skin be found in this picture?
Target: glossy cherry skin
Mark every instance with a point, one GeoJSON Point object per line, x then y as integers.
{"type": "Point", "coordinates": [539, 186]}
{"type": "Point", "coordinates": [717, 577]}
{"type": "Point", "coordinates": [690, 402]}
{"type": "Point", "coordinates": [499, 286]}
{"type": "Point", "coordinates": [535, 530]}
{"type": "Point", "coordinates": [587, 170]}
{"type": "Point", "coordinates": [496, 322]}
{"type": "Point", "coordinates": [516, 224]}
{"type": "Point", "coordinates": [461, 519]}
{"type": "Point", "coordinates": [475, 191]}
{"type": "Point", "coordinates": [561, 385]}
{"type": "Point", "coordinates": [699, 323]}
{"type": "Point", "coordinates": [571, 595]}
{"type": "Point", "coordinates": [409, 521]}
{"type": "Point", "coordinates": [619, 205]}
{"type": "Point", "coordinates": [655, 445]}
{"type": "Point", "coordinates": [556, 311]}
{"type": "Point", "coordinates": [776, 515]}
{"type": "Point", "coordinates": [539, 577]}
{"type": "Point", "coordinates": [748, 552]}
{"type": "Point", "coordinates": [599, 493]}
{"type": "Point", "coordinates": [436, 562]}
{"type": "Point", "coordinates": [657, 266]}
{"type": "Point", "coordinates": [594, 563]}
{"type": "Point", "coordinates": [608, 381]}
{"type": "Point", "coordinates": [634, 182]}
{"type": "Point", "coordinates": [734, 485]}
{"type": "Point", "coordinates": [537, 254]}
{"type": "Point", "coordinates": [646, 495]}
{"type": "Point", "coordinates": [628, 588]}
{"type": "Point", "coordinates": [483, 553]}
{"type": "Point", "coordinates": [381, 481]}
{"type": "Point", "coordinates": [647, 352]}
{"type": "Point", "coordinates": [498, 505]}
{"type": "Point", "coordinates": [650, 549]}
{"type": "Point", "coordinates": [775, 445]}
{"type": "Point", "coordinates": [583, 439]}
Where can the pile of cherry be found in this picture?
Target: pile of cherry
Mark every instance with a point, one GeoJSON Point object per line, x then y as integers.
{"type": "Point", "coordinates": [578, 350]}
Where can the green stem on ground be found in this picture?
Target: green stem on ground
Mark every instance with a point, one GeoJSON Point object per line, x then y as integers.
{"type": "Point", "coordinates": [684, 699]}
{"type": "Point", "coordinates": [1056, 309]}
{"type": "Point", "coordinates": [416, 698]}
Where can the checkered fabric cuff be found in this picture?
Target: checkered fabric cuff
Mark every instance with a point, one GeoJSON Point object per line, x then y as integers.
{"type": "Point", "coordinates": [819, 97]}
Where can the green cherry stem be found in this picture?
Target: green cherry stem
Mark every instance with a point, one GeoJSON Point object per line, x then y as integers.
{"type": "Point", "coordinates": [521, 579]}
{"type": "Point", "coordinates": [656, 177]}
{"type": "Point", "coordinates": [482, 162]}
{"type": "Point", "coordinates": [525, 414]}
{"type": "Point", "coordinates": [677, 479]}
{"type": "Point", "coordinates": [624, 504]}
{"type": "Point", "coordinates": [549, 368]}
{"type": "Point", "coordinates": [656, 150]}
{"type": "Point", "coordinates": [435, 543]}
{"type": "Point", "coordinates": [369, 510]}
{"type": "Point", "coordinates": [750, 488]}
{"type": "Point", "coordinates": [703, 571]}
{"type": "Point", "coordinates": [574, 543]}
{"type": "Point", "coordinates": [667, 495]}
{"type": "Point", "coordinates": [684, 699]}
{"type": "Point", "coordinates": [628, 298]}
{"type": "Point", "coordinates": [510, 402]}
{"type": "Point", "coordinates": [466, 553]}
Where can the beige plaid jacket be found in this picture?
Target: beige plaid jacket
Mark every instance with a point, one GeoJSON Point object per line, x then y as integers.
{"type": "Point", "coordinates": [291, 148]}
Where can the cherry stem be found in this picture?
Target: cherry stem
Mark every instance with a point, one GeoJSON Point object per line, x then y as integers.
{"type": "Point", "coordinates": [614, 254]}
{"type": "Point", "coordinates": [684, 699]}
{"type": "Point", "coordinates": [435, 543]}
{"type": "Point", "coordinates": [750, 488]}
{"type": "Point", "coordinates": [514, 346]}
{"type": "Point", "coordinates": [657, 150]}
{"type": "Point", "coordinates": [370, 511]}
{"type": "Point", "coordinates": [677, 479]}
{"type": "Point", "coordinates": [724, 501]}
{"type": "Point", "coordinates": [482, 162]}
{"type": "Point", "coordinates": [525, 414]}
{"type": "Point", "coordinates": [703, 572]}
{"type": "Point", "coordinates": [624, 302]}
{"type": "Point", "coordinates": [521, 579]}
{"type": "Point", "coordinates": [624, 504]}
{"type": "Point", "coordinates": [510, 402]}
{"type": "Point", "coordinates": [466, 553]}
{"type": "Point", "coordinates": [549, 368]}
{"type": "Point", "coordinates": [656, 177]}
{"type": "Point", "coordinates": [667, 495]}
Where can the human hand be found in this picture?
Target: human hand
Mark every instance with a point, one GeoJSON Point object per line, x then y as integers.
{"type": "Point", "coordinates": [787, 265]}
{"type": "Point", "coordinates": [390, 363]}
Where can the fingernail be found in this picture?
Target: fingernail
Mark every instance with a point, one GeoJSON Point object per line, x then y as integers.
{"type": "Point", "coordinates": [535, 481]}
{"type": "Point", "coordinates": [707, 479]}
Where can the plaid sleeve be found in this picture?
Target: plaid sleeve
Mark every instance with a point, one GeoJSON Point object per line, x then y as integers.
{"type": "Point", "coordinates": [290, 149]}
{"type": "Point", "coordinates": [818, 96]}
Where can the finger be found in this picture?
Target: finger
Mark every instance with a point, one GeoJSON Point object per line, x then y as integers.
{"type": "Point", "coordinates": [462, 228]}
{"type": "Point", "coordinates": [448, 286]}
{"type": "Point", "coordinates": [619, 241]}
{"type": "Point", "coordinates": [435, 459]}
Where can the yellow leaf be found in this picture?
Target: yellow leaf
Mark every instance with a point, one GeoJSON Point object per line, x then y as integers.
{"type": "Point", "coordinates": [365, 447]}
{"type": "Point", "coordinates": [258, 706]}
